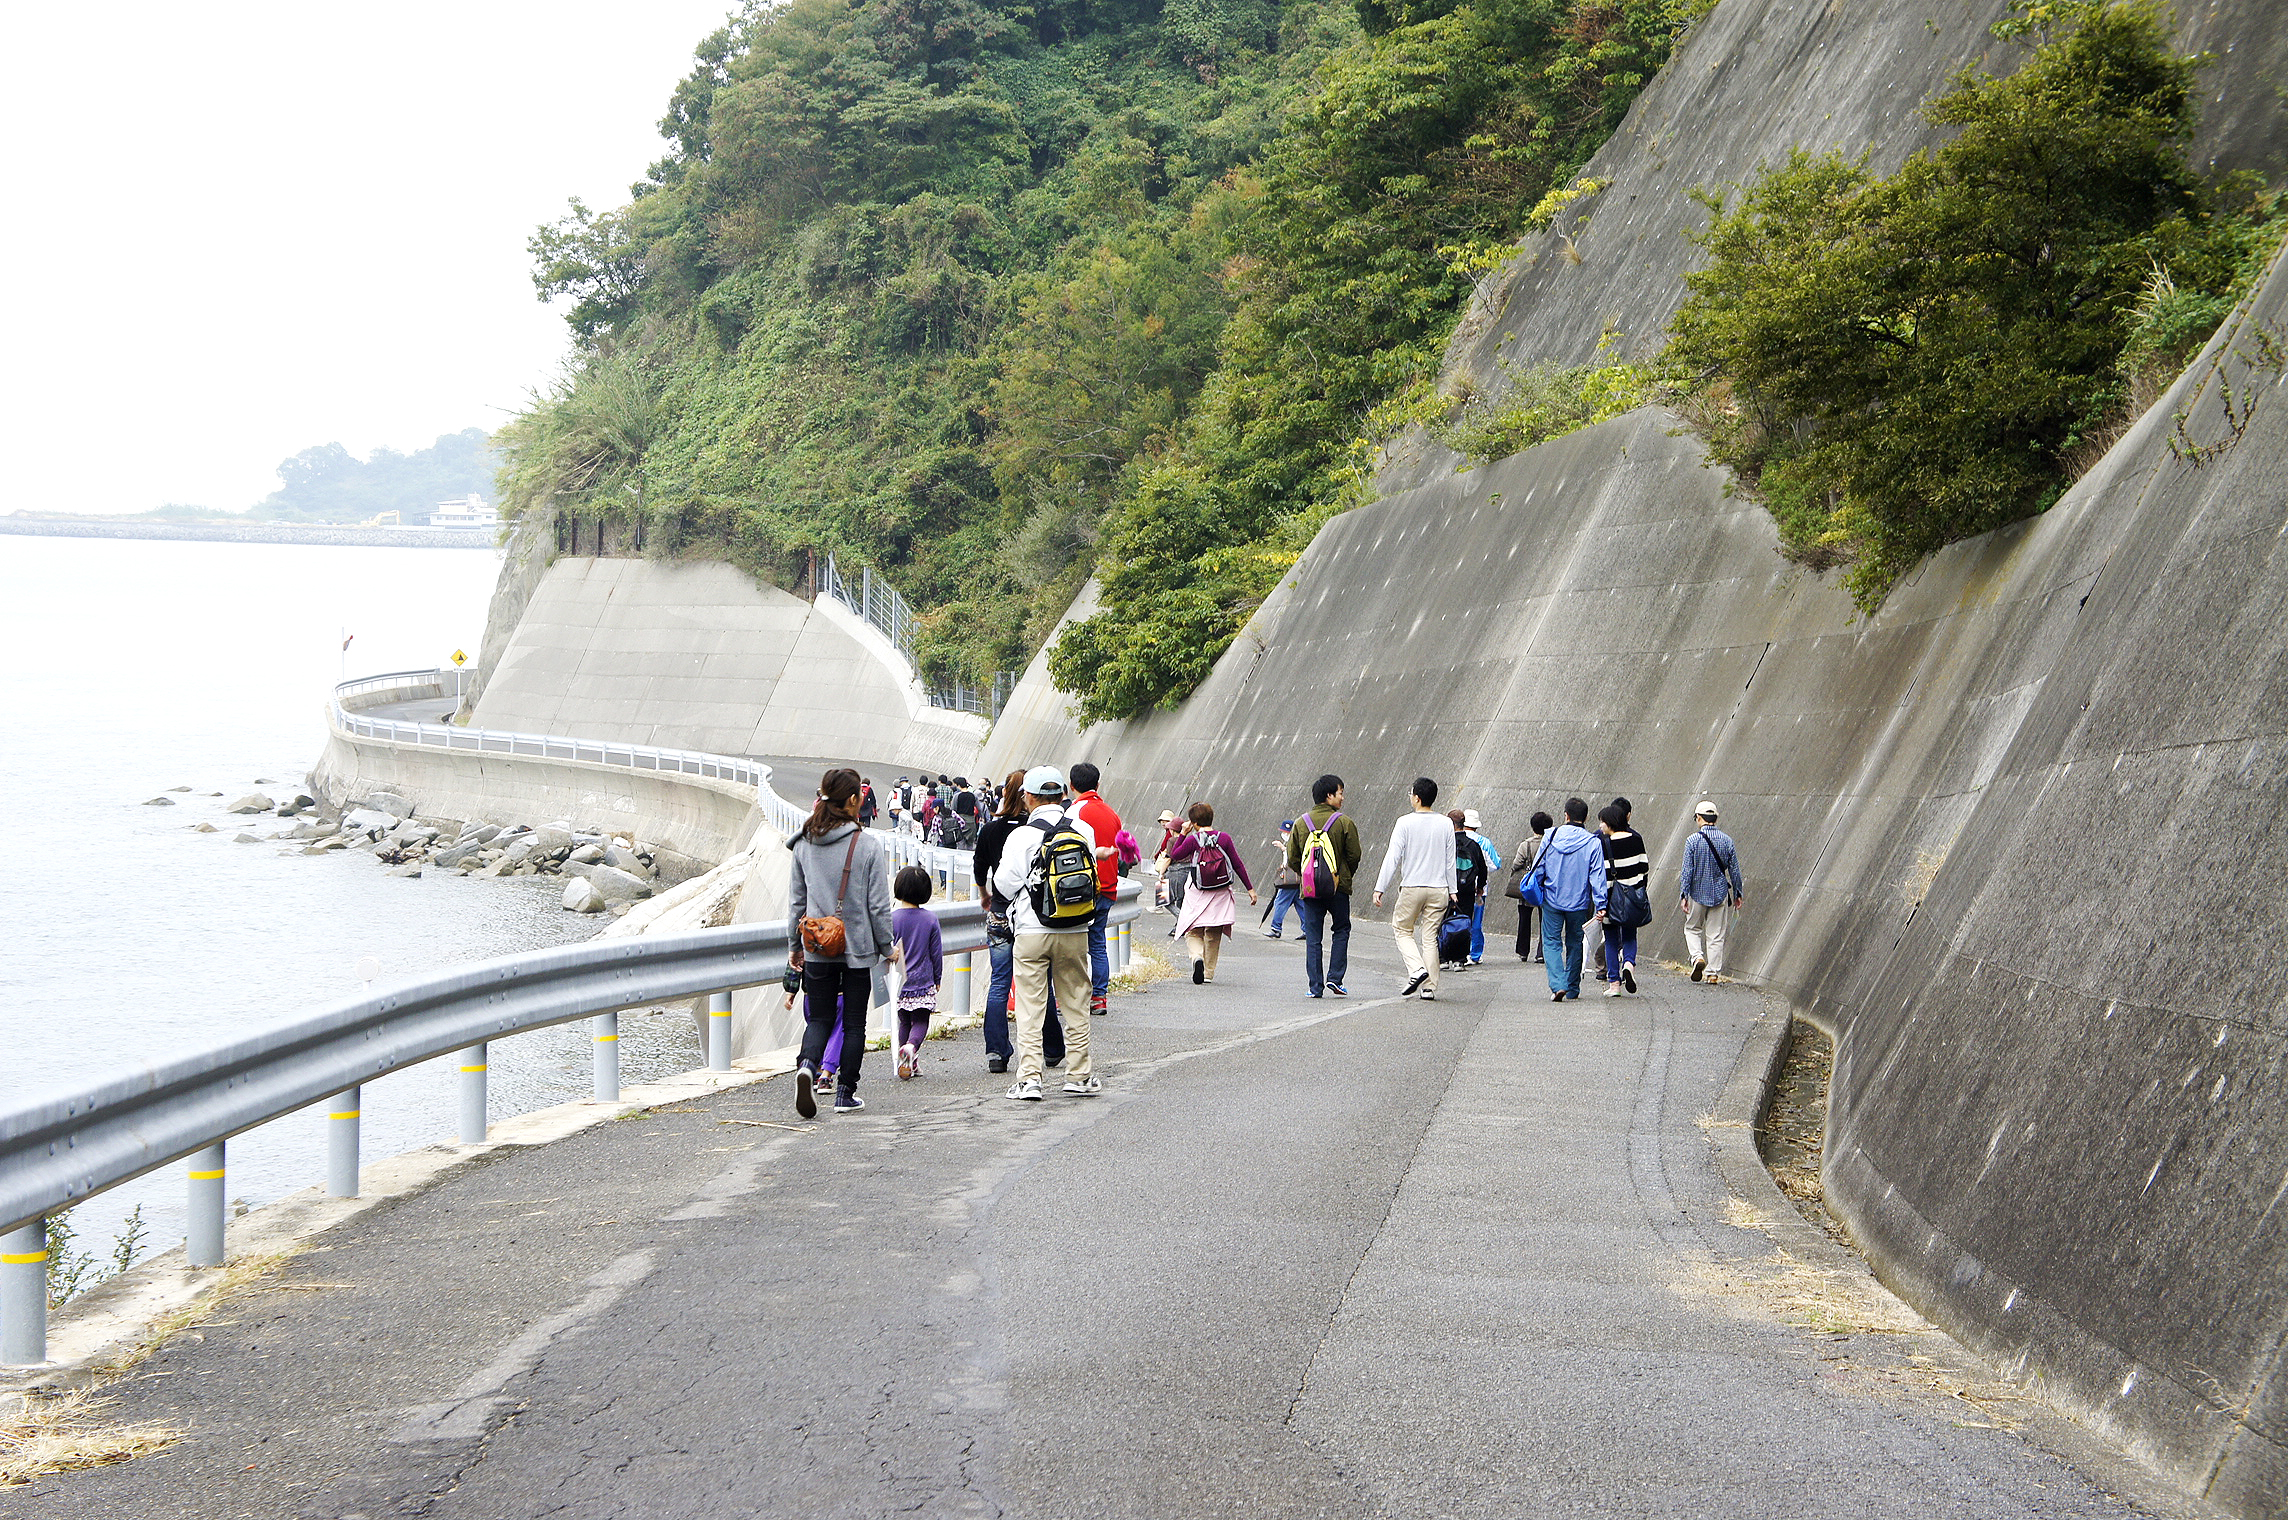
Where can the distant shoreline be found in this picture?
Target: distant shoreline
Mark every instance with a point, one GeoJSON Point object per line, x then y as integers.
{"type": "Point", "coordinates": [254, 533]}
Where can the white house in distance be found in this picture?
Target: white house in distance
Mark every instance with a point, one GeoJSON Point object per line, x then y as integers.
{"type": "Point", "coordinates": [468, 512]}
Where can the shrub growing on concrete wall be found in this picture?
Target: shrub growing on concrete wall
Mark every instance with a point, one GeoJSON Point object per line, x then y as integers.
{"type": "Point", "coordinates": [1898, 362]}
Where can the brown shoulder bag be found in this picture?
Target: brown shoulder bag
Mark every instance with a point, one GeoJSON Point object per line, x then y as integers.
{"type": "Point", "coordinates": [825, 935]}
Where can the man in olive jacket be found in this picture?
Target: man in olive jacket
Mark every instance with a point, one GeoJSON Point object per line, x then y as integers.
{"type": "Point", "coordinates": [1343, 839]}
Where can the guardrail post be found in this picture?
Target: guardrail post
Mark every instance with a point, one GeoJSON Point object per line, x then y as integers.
{"type": "Point", "coordinates": [718, 1031]}
{"type": "Point", "coordinates": [1123, 949]}
{"type": "Point", "coordinates": [957, 991]}
{"type": "Point", "coordinates": [964, 886]}
{"type": "Point", "coordinates": [604, 1033]}
{"type": "Point", "coordinates": [24, 1295]}
{"type": "Point", "coordinates": [342, 1143]}
{"type": "Point", "coordinates": [473, 1095]}
{"type": "Point", "coordinates": [202, 1239]}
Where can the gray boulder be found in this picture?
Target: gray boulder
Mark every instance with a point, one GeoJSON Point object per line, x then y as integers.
{"type": "Point", "coordinates": [244, 838]}
{"type": "Point", "coordinates": [617, 886]}
{"type": "Point", "coordinates": [387, 802]}
{"type": "Point", "coordinates": [160, 802]}
{"type": "Point", "coordinates": [366, 821]}
{"type": "Point", "coordinates": [178, 788]}
{"type": "Point", "coordinates": [621, 857]}
{"type": "Point", "coordinates": [410, 873]}
{"type": "Point", "coordinates": [252, 802]}
{"type": "Point", "coordinates": [204, 828]}
{"type": "Point", "coordinates": [547, 841]}
{"type": "Point", "coordinates": [454, 854]}
{"type": "Point", "coordinates": [486, 833]}
{"type": "Point", "coordinates": [586, 855]}
{"type": "Point", "coordinates": [581, 896]}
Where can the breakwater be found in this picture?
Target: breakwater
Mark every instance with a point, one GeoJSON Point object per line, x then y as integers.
{"type": "Point", "coordinates": [252, 533]}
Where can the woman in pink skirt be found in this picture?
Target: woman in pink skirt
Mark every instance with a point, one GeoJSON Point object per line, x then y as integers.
{"type": "Point", "coordinates": [1210, 907]}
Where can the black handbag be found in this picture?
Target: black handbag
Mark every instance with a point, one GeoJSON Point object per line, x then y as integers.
{"type": "Point", "coordinates": [1627, 906]}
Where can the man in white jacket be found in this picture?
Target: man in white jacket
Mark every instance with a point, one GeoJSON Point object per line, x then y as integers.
{"type": "Point", "coordinates": [1044, 953]}
{"type": "Point", "coordinates": [1421, 865]}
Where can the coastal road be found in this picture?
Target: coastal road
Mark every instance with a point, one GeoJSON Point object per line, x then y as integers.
{"type": "Point", "coordinates": [1301, 1259]}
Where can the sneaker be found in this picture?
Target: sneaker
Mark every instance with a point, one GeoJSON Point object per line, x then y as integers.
{"type": "Point", "coordinates": [1714, 980]}
{"type": "Point", "coordinates": [1338, 989]}
{"type": "Point", "coordinates": [1271, 934]}
{"type": "Point", "coordinates": [1027, 1091]}
{"type": "Point", "coordinates": [1313, 994]}
{"type": "Point", "coordinates": [1429, 994]}
{"type": "Point", "coordinates": [1415, 985]}
{"type": "Point", "coordinates": [805, 1092]}
{"type": "Point", "coordinates": [996, 1063]}
{"type": "Point", "coordinates": [1698, 969]}
{"type": "Point", "coordinates": [1084, 1087]}
{"type": "Point", "coordinates": [1199, 972]}
{"type": "Point", "coordinates": [1628, 976]}
{"type": "Point", "coordinates": [1557, 997]}
{"type": "Point", "coordinates": [1614, 990]}
{"type": "Point", "coordinates": [848, 1103]}
{"type": "Point", "coordinates": [1098, 1007]}
{"type": "Point", "coordinates": [905, 1063]}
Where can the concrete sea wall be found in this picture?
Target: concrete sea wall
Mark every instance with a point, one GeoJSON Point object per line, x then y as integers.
{"type": "Point", "coordinates": [700, 656]}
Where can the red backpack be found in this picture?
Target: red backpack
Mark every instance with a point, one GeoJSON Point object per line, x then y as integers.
{"type": "Point", "coordinates": [1215, 866]}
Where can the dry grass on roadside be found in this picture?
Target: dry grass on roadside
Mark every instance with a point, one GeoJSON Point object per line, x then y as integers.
{"type": "Point", "coordinates": [66, 1434]}
{"type": "Point", "coordinates": [1147, 963]}
{"type": "Point", "coordinates": [237, 1277]}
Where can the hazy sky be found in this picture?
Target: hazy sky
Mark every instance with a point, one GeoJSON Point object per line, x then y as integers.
{"type": "Point", "coordinates": [240, 230]}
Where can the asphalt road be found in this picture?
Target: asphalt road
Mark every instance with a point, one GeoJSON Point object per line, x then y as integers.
{"type": "Point", "coordinates": [1374, 1258]}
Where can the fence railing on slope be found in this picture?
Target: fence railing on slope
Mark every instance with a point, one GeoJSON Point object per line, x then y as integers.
{"type": "Point", "coordinates": [873, 598]}
{"type": "Point", "coordinates": [59, 1149]}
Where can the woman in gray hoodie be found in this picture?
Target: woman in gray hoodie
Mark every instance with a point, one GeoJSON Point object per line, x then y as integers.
{"type": "Point", "coordinates": [838, 872]}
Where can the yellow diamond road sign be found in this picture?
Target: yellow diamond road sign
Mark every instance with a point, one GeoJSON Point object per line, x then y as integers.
{"type": "Point", "coordinates": [460, 658]}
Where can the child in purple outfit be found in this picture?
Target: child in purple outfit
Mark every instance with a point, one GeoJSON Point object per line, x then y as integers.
{"type": "Point", "coordinates": [918, 935]}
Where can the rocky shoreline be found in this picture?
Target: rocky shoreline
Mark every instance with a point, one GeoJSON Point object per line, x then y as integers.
{"type": "Point", "coordinates": [604, 873]}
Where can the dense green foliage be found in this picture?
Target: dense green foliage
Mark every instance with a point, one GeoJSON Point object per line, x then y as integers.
{"type": "Point", "coordinates": [997, 295]}
{"type": "Point", "coordinates": [329, 484]}
{"type": "Point", "coordinates": [1898, 362]}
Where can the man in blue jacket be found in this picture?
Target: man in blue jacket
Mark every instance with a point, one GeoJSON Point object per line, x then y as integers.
{"type": "Point", "coordinates": [1711, 890]}
{"type": "Point", "coordinates": [1572, 871]}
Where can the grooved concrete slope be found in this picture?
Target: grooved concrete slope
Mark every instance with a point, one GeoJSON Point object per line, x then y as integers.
{"type": "Point", "coordinates": [701, 656]}
{"type": "Point", "coordinates": [2016, 837]}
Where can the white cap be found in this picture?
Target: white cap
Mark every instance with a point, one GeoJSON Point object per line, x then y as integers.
{"type": "Point", "coordinates": [1706, 809]}
{"type": "Point", "coordinates": [1470, 819]}
{"type": "Point", "coordinates": [1045, 781]}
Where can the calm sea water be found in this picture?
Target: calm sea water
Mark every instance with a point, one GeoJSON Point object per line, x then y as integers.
{"type": "Point", "coordinates": [125, 936]}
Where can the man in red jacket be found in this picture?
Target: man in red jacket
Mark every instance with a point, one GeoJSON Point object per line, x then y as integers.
{"type": "Point", "coordinates": [1104, 823]}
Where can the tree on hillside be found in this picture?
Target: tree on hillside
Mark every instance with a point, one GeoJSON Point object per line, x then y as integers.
{"type": "Point", "coordinates": [330, 484]}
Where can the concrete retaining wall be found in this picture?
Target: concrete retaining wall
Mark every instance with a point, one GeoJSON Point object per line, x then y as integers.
{"type": "Point", "coordinates": [700, 656]}
{"type": "Point", "coordinates": [2013, 838]}
{"type": "Point", "coordinates": [698, 821]}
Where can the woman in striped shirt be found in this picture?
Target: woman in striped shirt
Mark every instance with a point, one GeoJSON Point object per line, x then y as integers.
{"type": "Point", "coordinates": [1626, 864]}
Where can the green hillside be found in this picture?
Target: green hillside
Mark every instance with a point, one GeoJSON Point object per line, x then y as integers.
{"type": "Point", "coordinates": [997, 295]}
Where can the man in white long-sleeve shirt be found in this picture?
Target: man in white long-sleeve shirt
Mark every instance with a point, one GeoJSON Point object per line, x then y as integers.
{"type": "Point", "coordinates": [1045, 953]}
{"type": "Point", "coordinates": [1421, 865]}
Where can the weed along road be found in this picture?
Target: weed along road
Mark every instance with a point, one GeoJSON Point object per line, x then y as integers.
{"type": "Point", "coordinates": [1476, 1257]}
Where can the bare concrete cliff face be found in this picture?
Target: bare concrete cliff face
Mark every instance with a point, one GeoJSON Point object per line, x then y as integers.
{"type": "Point", "coordinates": [699, 656]}
{"type": "Point", "coordinates": [2014, 838]}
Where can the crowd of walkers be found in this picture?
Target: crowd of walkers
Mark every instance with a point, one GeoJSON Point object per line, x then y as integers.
{"type": "Point", "coordinates": [1048, 855]}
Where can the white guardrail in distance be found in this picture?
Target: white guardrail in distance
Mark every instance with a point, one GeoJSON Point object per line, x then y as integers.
{"type": "Point", "coordinates": [59, 1148]}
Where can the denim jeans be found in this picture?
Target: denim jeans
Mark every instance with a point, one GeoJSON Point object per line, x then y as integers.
{"type": "Point", "coordinates": [998, 1041]}
{"type": "Point", "coordinates": [1478, 932]}
{"type": "Point", "coordinates": [1620, 946]}
{"type": "Point", "coordinates": [1561, 947]}
{"type": "Point", "coordinates": [1099, 958]}
{"type": "Point", "coordinates": [1283, 898]}
{"type": "Point", "coordinates": [1316, 912]}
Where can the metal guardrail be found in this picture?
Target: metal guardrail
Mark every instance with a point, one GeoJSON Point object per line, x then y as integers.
{"type": "Point", "coordinates": [873, 598]}
{"type": "Point", "coordinates": [60, 1149]}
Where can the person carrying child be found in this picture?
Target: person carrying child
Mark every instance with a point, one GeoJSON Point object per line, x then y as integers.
{"type": "Point", "coordinates": [916, 930]}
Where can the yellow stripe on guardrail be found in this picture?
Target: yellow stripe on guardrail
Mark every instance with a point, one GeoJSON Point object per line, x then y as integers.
{"type": "Point", "coordinates": [204, 1176]}
{"type": "Point", "coordinates": [23, 1258]}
